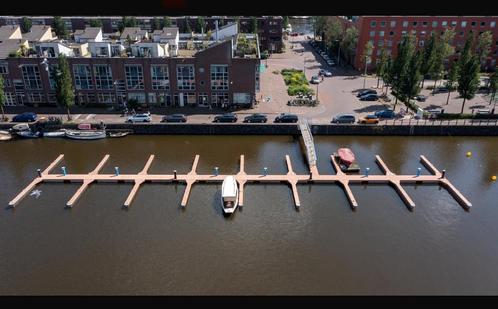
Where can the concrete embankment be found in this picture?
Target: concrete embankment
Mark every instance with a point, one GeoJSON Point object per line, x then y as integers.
{"type": "Point", "coordinates": [293, 129]}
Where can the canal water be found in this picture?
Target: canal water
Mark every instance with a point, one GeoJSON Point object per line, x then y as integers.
{"type": "Point", "coordinates": [267, 247]}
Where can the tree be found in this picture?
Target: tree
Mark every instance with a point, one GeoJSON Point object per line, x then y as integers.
{"type": "Point", "coordinates": [155, 24]}
{"type": "Point", "coordinates": [254, 25]}
{"type": "Point", "coordinates": [26, 24]}
{"type": "Point", "coordinates": [443, 50]}
{"type": "Point", "coordinates": [349, 42]}
{"type": "Point", "coordinates": [386, 77]}
{"type": "Point", "coordinates": [187, 26]}
{"type": "Point", "coordinates": [429, 57]}
{"type": "Point", "coordinates": [484, 47]}
{"type": "Point", "coordinates": [333, 31]}
{"type": "Point", "coordinates": [3, 99]}
{"type": "Point", "coordinates": [452, 79]}
{"type": "Point", "coordinates": [127, 22]}
{"type": "Point", "coordinates": [493, 85]}
{"type": "Point", "coordinates": [166, 22]}
{"type": "Point", "coordinates": [96, 23]}
{"type": "Point", "coordinates": [319, 23]}
{"type": "Point", "coordinates": [380, 68]}
{"type": "Point", "coordinates": [411, 79]}
{"type": "Point", "coordinates": [60, 27]}
{"type": "Point", "coordinates": [64, 86]}
{"type": "Point", "coordinates": [201, 24]}
{"type": "Point", "coordinates": [399, 67]}
{"type": "Point", "coordinates": [367, 52]}
{"type": "Point", "coordinates": [468, 79]}
{"type": "Point", "coordinates": [285, 21]}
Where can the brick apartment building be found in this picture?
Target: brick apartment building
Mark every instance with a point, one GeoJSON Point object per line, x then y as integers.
{"type": "Point", "coordinates": [388, 31]}
{"type": "Point", "coordinates": [270, 28]}
{"type": "Point", "coordinates": [217, 75]}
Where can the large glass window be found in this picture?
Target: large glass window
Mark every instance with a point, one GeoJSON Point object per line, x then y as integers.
{"type": "Point", "coordinates": [134, 77]}
{"type": "Point", "coordinates": [393, 23]}
{"type": "Point", "coordinates": [31, 76]}
{"type": "Point", "coordinates": [82, 77]}
{"type": "Point", "coordinates": [219, 77]}
{"type": "Point", "coordinates": [103, 77]}
{"type": "Point", "coordinates": [160, 77]}
{"type": "Point", "coordinates": [185, 77]}
{"type": "Point", "coordinates": [52, 76]}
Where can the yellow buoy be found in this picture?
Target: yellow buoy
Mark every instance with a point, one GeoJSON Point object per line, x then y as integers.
{"type": "Point", "coordinates": [469, 154]}
{"type": "Point", "coordinates": [493, 178]}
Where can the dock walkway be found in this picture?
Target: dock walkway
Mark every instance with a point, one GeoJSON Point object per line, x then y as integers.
{"type": "Point", "coordinates": [291, 178]}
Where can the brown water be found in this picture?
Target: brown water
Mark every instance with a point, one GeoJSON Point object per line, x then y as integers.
{"type": "Point", "coordinates": [268, 247]}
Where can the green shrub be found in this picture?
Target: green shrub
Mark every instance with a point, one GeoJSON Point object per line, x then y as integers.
{"type": "Point", "coordinates": [296, 89]}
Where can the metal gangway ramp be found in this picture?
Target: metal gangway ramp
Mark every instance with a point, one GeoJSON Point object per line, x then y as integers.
{"type": "Point", "coordinates": [305, 129]}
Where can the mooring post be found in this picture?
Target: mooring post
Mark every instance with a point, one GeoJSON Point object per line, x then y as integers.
{"type": "Point", "coordinates": [443, 173]}
{"type": "Point", "coordinates": [216, 171]}
{"type": "Point", "coordinates": [366, 171]}
{"type": "Point", "coordinates": [418, 171]}
{"type": "Point", "coordinates": [174, 174]}
{"type": "Point", "coordinates": [64, 170]}
{"type": "Point", "coordinates": [265, 171]}
{"type": "Point", "coordinates": [116, 169]}
{"type": "Point", "coordinates": [39, 172]}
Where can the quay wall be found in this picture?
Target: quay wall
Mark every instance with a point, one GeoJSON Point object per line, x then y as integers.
{"type": "Point", "coordinates": [293, 129]}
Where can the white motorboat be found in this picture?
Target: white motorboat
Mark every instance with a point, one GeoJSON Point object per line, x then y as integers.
{"type": "Point", "coordinates": [58, 133]}
{"type": "Point", "coordinates": [229, 195]}
{"type": "Point", "coordinates": [5, 136]}
{"type": "Point", "coordinates": [85, 134]}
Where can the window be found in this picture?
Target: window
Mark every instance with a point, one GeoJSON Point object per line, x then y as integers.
{"type": "Point", "coordinates": [107, 98]}
{"type": "Point", "coordinates": [31, 76]}
{"type": "Point", "coordinates": [35, 97]}
{"type": "Point", "coordinates": [422, 33]}
{"type": "Point", "coordinates": [461, 33]}
{"type": "Point", "coordinates": [241, 98]}
{"type": "Point", "coordinates": [203, 99]}
{"type": "Point", "coordinates": [379, 51]}
{"type": "Point", "coordinates": [219, 98]}
{"type": "Point", "coordinates": [414, 32]}
{"type": "Point", "coordinates": [492, 24]}
{"type": "Point", "coordinates": [473, 24]}
{"type": "Point", "coordinates": [18, 85]}
{"type": "Point", "coordinates": [393, 23]}
{"type": "Point", "coordinates": [373, 23]}
{"type": "Point", "coordinates": [434, 24]}
{"type": "Point", "coordinates": [463, 24]}
{"type": "Point", "coordinates": [444, 23]}
{"type": "Point", "coordinates": [391, 33]}
{"type": "Point", "coordinates": [10, 99]}
{"type": "Point", "coordinates": [134, 77]}
{"type": "Point", "coordinates": [103, 77]}
{"type": "Point", "coordinates": [139, 96]}
{"type": "Point", "coordinates": [380, 43]}
{"type": "Point", "coordinates": [82, 77]}
{"type": "Point", "coordinates": [52, 77]}
{"type": "Point", "coordinates": [415, 24]}
{"type": "Point", "coordinates": [405, 24]}
{"type": "Point", "coordinates": [6, 83]}
{"type": "Point", "coordinates": [372, 34]}
{"type": "Point", "coordinates": [4, 69]}
{"type": "Point", "coordinates": [421, 43]}
{"type": "Point", "coordinates": [483, 23]}
{"type": "Point", "coordinates": [160, 77]}
{"type": "Point", "coordinates": [403, 32]}
{"type": "Point", "coordinates": [219, 77]}
{"type": "Point", "coordinates": [389, 43]}
{"type": "Point", "coordinates": [382, 23]}
{"type": "Point", "coordinates": [152, 97]}
{"type": "Point", "coordinates": [381, 33]}
{"type": "Point", "coordinates": [424, 24]}
{"type": "Point", "coordinates": [453, 23]}
{"type": "Point", "coordinates": [185, 77]}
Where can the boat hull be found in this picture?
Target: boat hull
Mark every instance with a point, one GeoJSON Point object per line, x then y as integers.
{"type": "Point", "coordinates": [229, 194]}
{"type": "Point", "coordinates": [61, 133]}
{"type": "Point", "coordinates": [85, 135]}
{"type": "Point", "coordinates": [28, 134]}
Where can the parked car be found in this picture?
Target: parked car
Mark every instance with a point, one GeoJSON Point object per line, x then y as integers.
{"type": "Point", "coordinates": [286, 118]}
{"type": "Point", "coordinates": [228, 117]}
{"type": "Point", "coordinates": [294, 34]}
{"type": "Point", "coordinates": [25, 117]}
{"type": "Point", "coordinates": [344, 118]}
{"type": "Point", "coordinates": [369, 119]}
{"type": "Point", "coordinates": [174, 118]}
{"type": "Point", "coordinates": [440, 90]}
{"type": "Point", "coordinates": [315, 79]}
{"type": "Point", "coordinates": [366, 91]}
{"type": "Point", "coordinates": [386, 114]}
{"type": "Point", "coordinates": [325, 73]}
{"type": "Point", "coordinates": [256, 118]}
{"type": "Point", "coordinates": [139, 118]}
{"type": "Point", "coordinates": [420, 98]}
{"type": "Point", "coordinates": [369, 97]}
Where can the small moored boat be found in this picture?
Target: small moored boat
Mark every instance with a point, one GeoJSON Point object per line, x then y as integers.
{"type": "Point", "coordinates": [346, 160]}
{"type": "Point", "coordinates": [5, 136]}
{"type": "Point", "coordinates": [229, 195]}
{"type": "Point", "coordinates": [85, 132]}
{"type": "Point", "coordinates": [28, 134]}
{"type": "Point", "coordinates": [118, 134]}
{"type": "Point", "coordinates": [58, 133]}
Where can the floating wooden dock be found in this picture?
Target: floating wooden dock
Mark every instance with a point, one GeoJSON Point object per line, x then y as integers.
{"type": "Point", "coordinates": [291, 178]}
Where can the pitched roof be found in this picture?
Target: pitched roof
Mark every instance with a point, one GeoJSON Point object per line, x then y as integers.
{"type": "Point", "coordinates": [167, 32]}
{"type": "Point", "coordinates": [9, 46]}
{"type": "Point", "coordinates": [7, 32]}
{"type": "Point", "coordinates": [132, 32]}
{"type": "Point", "coordinates": [88, 32]}
{"type": "Point", "coordinates": [37, 32]}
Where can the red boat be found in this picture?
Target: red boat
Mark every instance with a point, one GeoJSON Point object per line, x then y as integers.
{"type": "Point", "coordinates": [346, 155]}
